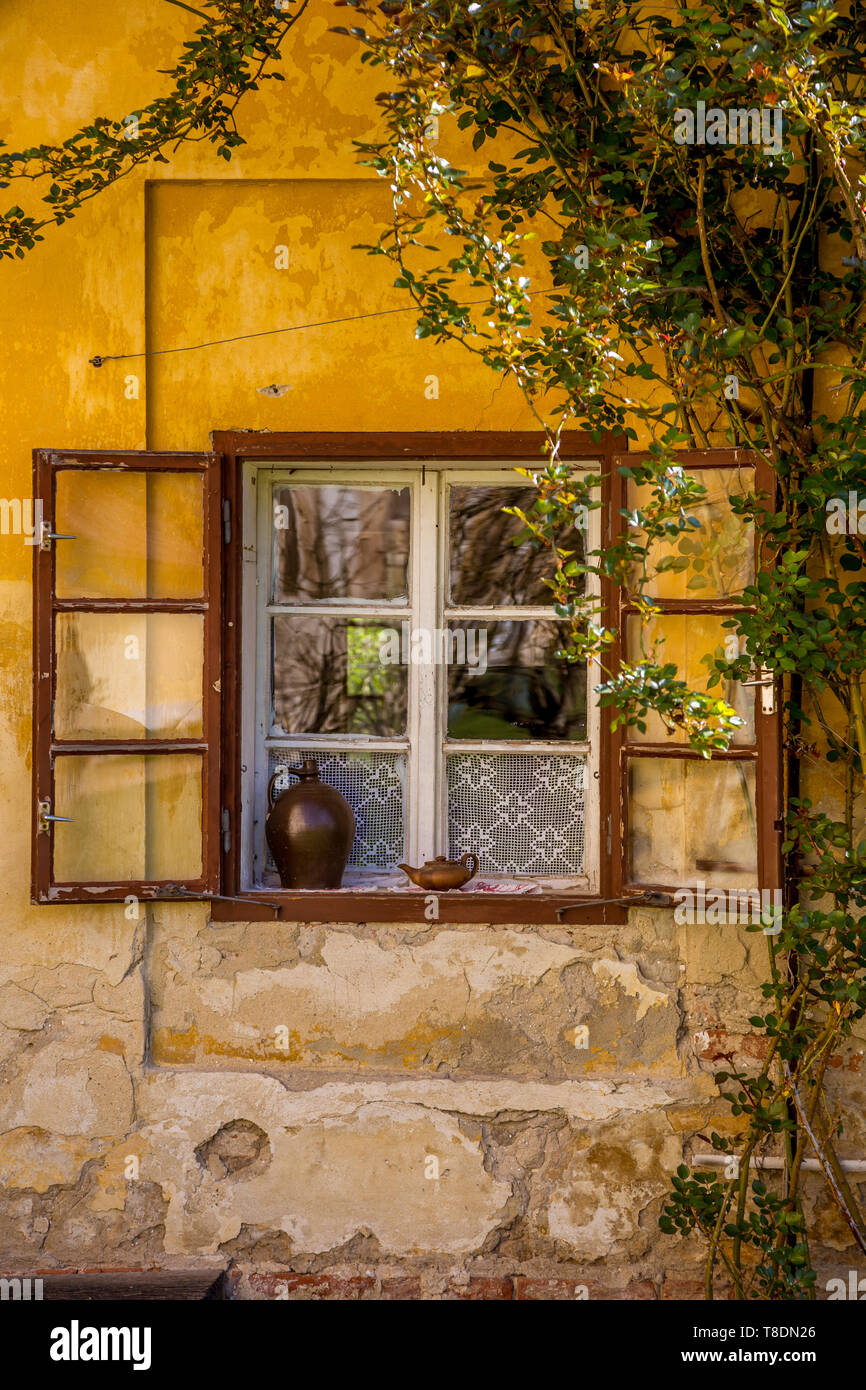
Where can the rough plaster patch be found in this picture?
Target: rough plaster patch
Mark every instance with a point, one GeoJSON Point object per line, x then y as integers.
{"type": "Point", "coordinates": [716, 953]}
{"type": "Point", "coordinates": [328, 1177]}
{"type": "Point", "coordinates": [21, 1009]}
{"type": "Point", "coordinates": [198, 1095]}
{"type": "Point", "coordinates": [218, 995]}
{"type": "Point", "coordinates": [350, 1157]}
{"type": "Point", "coordinates": [33, 1158]}
{"type": "Point", "coordinates": [605, 1185]}
{"type": "Point", "coordinates": [10, 1043]}
{"type": "Point", "coordinates": [361, 985]}
{"type": "Point", "coordinates": [65, 985]}
{"type": "Point", "coordinates": [126, 999]}
{"type": "Point", "coordinates": [625, 974]}
{"type": "Point", "coordinates": [482, 1001]}
{"type": "Point", "coordinates": [71, 1091]}
{"type": "Point", "coordinates": [596, 1235]}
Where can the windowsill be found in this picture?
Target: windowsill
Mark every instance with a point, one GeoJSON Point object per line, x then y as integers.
{"type": "Point", "coordinates": [412, 905]}
{"type": "Point", "coordinates": [396, 881]}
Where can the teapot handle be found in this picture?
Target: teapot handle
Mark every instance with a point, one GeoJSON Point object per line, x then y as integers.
{"type": "Point", "coordinates": [474, 858]}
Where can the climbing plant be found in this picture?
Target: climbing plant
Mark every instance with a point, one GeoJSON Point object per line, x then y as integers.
{"type": "Point", "coordinates": [663, 236]}
{"type": "Point", "coordinates": [235, 49]}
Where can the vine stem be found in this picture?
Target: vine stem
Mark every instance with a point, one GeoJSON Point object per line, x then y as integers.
{"type": "Point", "coordinates": [855, 693]}
{"type": "Point", "coordinates": [705, 249]}
{"type": "Point", "coordinates": [836, 1180]}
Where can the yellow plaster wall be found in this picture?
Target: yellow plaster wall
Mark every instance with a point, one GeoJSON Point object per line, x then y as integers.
{"type": "Point", "coordinates": [111, 1024]}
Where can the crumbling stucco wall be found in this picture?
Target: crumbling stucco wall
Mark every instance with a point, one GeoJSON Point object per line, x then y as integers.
{"type": "Point", "coordinates": [340, 1111]}
{"type": "Point", "coordinates": [374, 1111]}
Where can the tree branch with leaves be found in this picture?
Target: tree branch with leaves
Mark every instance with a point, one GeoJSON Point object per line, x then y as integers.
{"type": "Point", "coordinates": [231, 53]}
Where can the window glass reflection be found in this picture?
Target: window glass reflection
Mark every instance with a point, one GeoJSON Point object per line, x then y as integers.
{"type": "Point", "coordinates": [340, 543]}
{"type": "Point", "coordinates": [509, 683]}
{"type": "Point", "coordinates": [336, 676]}
{"type": "Point", "coordinates": [487, 567]}
{"type": "Point", "coordinates": [713, 560]}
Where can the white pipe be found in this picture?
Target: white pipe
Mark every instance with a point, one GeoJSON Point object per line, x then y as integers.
{"type": "Point", "coordinates": [850, 1165]}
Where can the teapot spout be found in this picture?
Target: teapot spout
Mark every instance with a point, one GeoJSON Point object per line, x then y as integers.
{"type": "Point", "coordinates": [409, 871]}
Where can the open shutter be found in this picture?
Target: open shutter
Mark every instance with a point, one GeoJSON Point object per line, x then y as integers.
{"type": "Point", "coordinates": [684, 819]}
{"type": "Point", "coordinates": [127, 676]}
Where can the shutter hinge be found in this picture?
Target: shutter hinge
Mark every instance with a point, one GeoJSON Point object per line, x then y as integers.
{"type": "Point", "coordinates": [227, 520]}
{"type": "Point", "coordinates": [227, 830]}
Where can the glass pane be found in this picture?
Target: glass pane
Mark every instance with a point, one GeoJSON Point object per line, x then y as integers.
{"type": "Point", "coordinates": [138, 535]}
{"type": "Point", "coordinates": [129, 675]}
{"type": "Point", "coordinates": [505, 681]}
{"type": "Point", "coordinates": [692, 821]}
{"type": "Point", "coordinates": [374, 784]}
{"type": "Point", "coordinates": [134, 817]}
{"type": "Point", "coordinates": [487, 568]}
{"type": "Point", "coordinates": [718, 557]}
{"type": "Point", "coordinates": [521, 813]}
{"type": "Point", "coordinates": [683, 641]}
{"type": "Point", "coordinates": [337, 676]}
{"type": "Point", "coordinates": [340, 543]}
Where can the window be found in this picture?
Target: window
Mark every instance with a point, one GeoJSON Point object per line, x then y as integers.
{"type": "Point", "coordinates": [204, 621]}
{"type": "Point", "coordinates": [127, 641]}
{"type": "Point", "coordinates": [404, 641]}
{"type": "Point", "coordinates": [689, 820]}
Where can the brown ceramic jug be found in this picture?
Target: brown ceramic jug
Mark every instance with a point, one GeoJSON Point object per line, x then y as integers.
{"type": "Point", "coordinates": [309, 828]}
{"type": "Point", "coordinates": [441, 873]}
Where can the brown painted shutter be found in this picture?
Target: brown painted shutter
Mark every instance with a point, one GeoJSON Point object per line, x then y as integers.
{"type": "Point", "coordinates": [126, 676]}
{"type": "Point", "coordinates": [753, 765]}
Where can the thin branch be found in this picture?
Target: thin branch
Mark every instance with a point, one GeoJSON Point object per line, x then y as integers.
{"type": "Point", "coordinates": [181, 6]}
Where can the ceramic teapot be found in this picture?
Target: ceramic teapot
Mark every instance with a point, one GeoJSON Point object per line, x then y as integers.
{"type": "Point", "coordinates": [441, 873]}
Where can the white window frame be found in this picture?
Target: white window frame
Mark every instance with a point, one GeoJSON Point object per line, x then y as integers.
{"type": "Point", "coordinates": [426, 740]}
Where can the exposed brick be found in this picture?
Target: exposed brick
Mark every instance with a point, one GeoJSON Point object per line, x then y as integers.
{"type": "Point", "coordinates": [480, 1289]}
{"type": "Point", "coordinates": [528, 1289]}
{"type": "Point", "coordinates": [682, 1288]}
{"type": "Point", "coordinates": [404, 1286]}
{"type": "Point", "coordinates": [721, 1045]}
{"type": "Point", "coordinates": [311, 1287]}
{"type": "Point", "coordinates": [690, 1287]}
{"type": "Point", "coordinates": [638, 1291]}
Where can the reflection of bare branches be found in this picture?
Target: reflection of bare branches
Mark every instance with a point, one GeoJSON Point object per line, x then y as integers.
{"type": "Point", "coordinates": [321, 687]}
{"type": "Point", "coordinates": [486, 565]}
{"type": "Point", "coordinates": [340, 542]}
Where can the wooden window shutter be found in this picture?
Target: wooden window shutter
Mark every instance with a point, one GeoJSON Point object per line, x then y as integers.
{"type": "Point", "coordinates": [127, 645]}
{"type": "Point", "coordinates": [682, 817]}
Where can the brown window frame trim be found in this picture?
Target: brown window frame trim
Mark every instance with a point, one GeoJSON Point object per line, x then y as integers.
{"type": "Point", "coordinates": [46, 465]}
{"type": "Point", "coordinates": [767, 749]}
{"type": "Point", "coordinates": [237, 904]}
